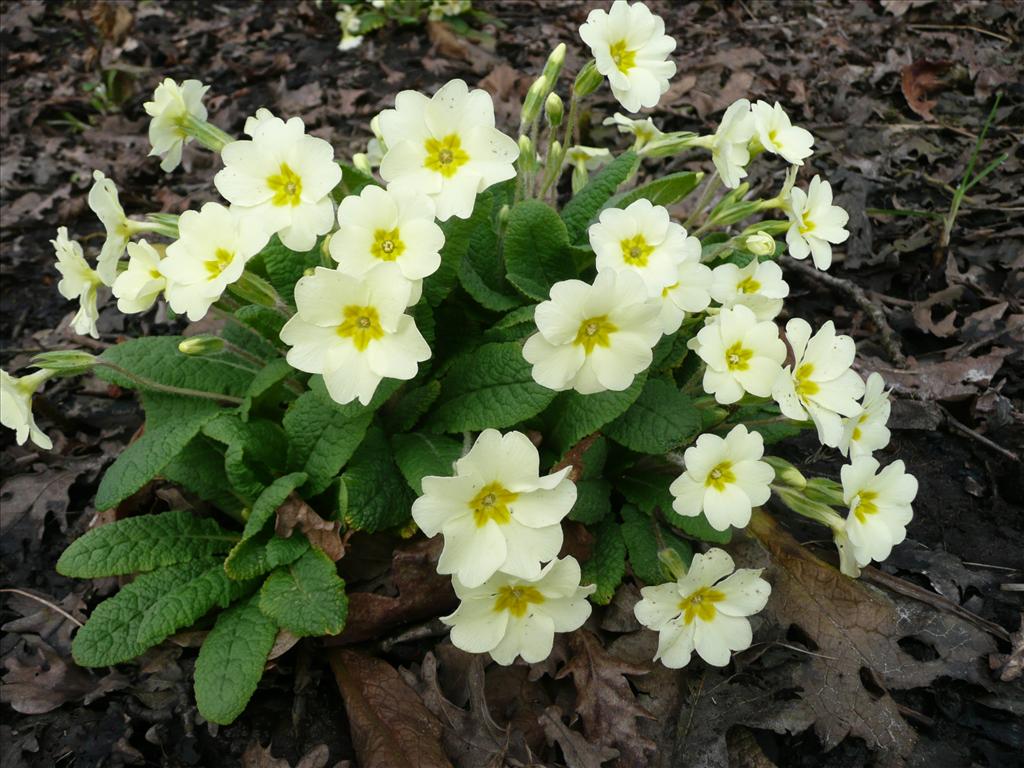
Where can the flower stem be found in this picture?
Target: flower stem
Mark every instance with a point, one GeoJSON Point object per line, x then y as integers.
{"type": "Point", "coordinates": [710, 187]}
{"type": "Point", "coordinates": [147, 383]}
{"type": "Point", "coordinates": [207, 134]}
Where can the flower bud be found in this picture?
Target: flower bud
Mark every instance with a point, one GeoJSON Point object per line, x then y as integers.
{"type": "Point", "coordinates": [815, 510]}
{"type": "Point", "coordinates": [786, 472]}
{"type": "Point", "coordinates": [671, 560]}
{"type": "Point", "coordinates": [362, 163]}
{"type": "Point", "coordinates": [527, 154]}
{"type": "Point", "coordinates": [201, 345]}
{"type": "Point", "coordinates": [69, 362]}
{"type": "Point", "coordinates": [824, 490]}
{"type": "Point", "coordinates": [554, 110]}
{"type": "Point", "coordinates": [503, 216]}
{"type": "Point", "coordinates": [553, 67]}
{"type": "Point", "coordinates": [534, 99]}
{"type": "Point", "coordinates": [760, 244]}
{"type": "Point", "coordinates": [588, 80]}
{"type": "Point", "coordinates": [255, 289]}
{"type": "Point", "coordinates": [375, 127]}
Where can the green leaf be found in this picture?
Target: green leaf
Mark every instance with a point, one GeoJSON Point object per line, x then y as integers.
{"type": "Point", "coordinates": [267, 504]}
{"type": "Point", "coordinates": [263, 553]}
{"type": "Point", "coordinates": [593, 501]}
{"type": "Point", "coordinates": [142, 544]}
{"type": "Point", "coordinates": [306, 597]}
{"type": "Point", "coordinates": [574, 416]}
{"type": "Point", "coordinates": [378, 496]}
{"type": "Point", "coordinates": [157, 358]}
{"type": "Point", "coordinates": [420, 454]}
{"type": "Point", "coordinates": [322, 436]}
{"type": "Point", "coordinates": [661, 419]}
{"type": "Point", "coordinates": [231, 661]}
{"type": "Point", "coordinates": [644, 538]}
{"type": "Point", "coordinates": [457, 236]}
{"type": "Point", "coordinates": [266, 322]}
{"type": "Point", "coordinates": [353, 180]}
{"type": "Point", "coordinates": [254, 449]}
{"type": "Point", "coordinates": [251, 340]}
{"type": "Point", "coordinates": [482, 273]}
{"type": "Point", "coordinates": [649, 491]}
{"type": "Point", "coordinates": [491, 387]}
{"type": "Point", "coordinates": [607, 565]}
{"type": "Point", "coordinates": [111, 635]}
{"type": "Point", "coordinates": [199, 468]}
{"type": "Point", "coordinates": [285, 266]}
{"type": "Point", "coordinates": [266, 378]}
{"type": "Point", "coordinates": [408, 409]}
{"type": "Point", "coordinates": [772, 433]}
{"type": "Point", "coordinates": [185, 603]}
{"type": "Point", "coordinates": [586, 204]}
{"type": "Point", "coordinates": [666, 190]}
{"type": "Point", "coordinates": [536, 241]}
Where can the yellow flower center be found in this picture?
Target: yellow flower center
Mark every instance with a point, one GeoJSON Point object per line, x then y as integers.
{"type": "Point", "coordinates": [772, 136]}
{"type": "Point", "coordinates": [720, 476]}
{"type": "Point", "coordinates": [516, 600]}
{"type": "Point", "coordinates": [806, 225]}
{"type": "Point", "coordinates": [222, 257]}
{"type": "Point", "coordinates": [737, 358]}
{"type": "Point", "coordinates": [701, 604]}
{"type": "Point", "coordinates": [362, 325]}
{"type": "Point", "coordinates": [491, 503]}
{"type": "Point", "coordinates": [155, 274]}
{"type": "Point", "coordinates": [594, 332]}
{"type": "Point", "coordinates": [866, 505]}
{"type": "Point", "coordinates": [857, 434]}
{"type": "Point", "coordinates": [445, 156]}
{"type": "Point", "coordinates": [624, 58]}
{"type": "Point", "coordinates": [386, 244]}
{"type": "Point", "coordinates": [286, 186]}
{"type": "Point", "coordinates": [748, 285]}
{"type": "Point", "coordinates": [804, 386]}
{"type": "Point", "coordinates": [635, 251]}
{"type": "Point", "coordinates": [668, 289]}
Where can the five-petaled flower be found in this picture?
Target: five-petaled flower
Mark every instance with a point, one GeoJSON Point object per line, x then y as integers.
{"type": "Point", "coordinates": [138, 287]}
{"type": "Point", "coordinates": [445, 146]}
{"type": "Point", "coordinates": [815, 224]}
{"type": "Point", "coordinates": [281, 179]}
{"type": "Point", "coordinates": [730, 149]}
{"type": "Point", "coordinates": [104, 202]}
{"type": "Point", "coordinates": [631, 49]}
{"type": "Point", "coordinates": [758, 286]}
{"type": "Point", "coordinates": [16, 406]}
{"type": "Point", "coordinates": [78, 281]}
{"type": "Point", "coordinates": [742, 354]}
{"type": "Point", "coordinates": [644, 130]}
{"type": "Point", "coordinates": [866, 432]}
{"type": "Point", "coordinates": [172, 107]}
{"type": "Point", "coordinates": [820, 383]}
{"type": "Point", "coordinates": [592, 338]}
{"type": "Point", "coordinates": [779, 136]}
{"type": "Point", "coordinates": [724, 478]}
{"type": "Point", "coordinates": [353, 330]}
{"type": "Point", "coordinates": [705, 610]}
{"type": "Point", "coordinates": [879, 507]}
{"type": "Point", "coordinates": [689, 292]}
{"type": "Point", "coordinates": [509, 616]}
{"type": "Point", "coordinates": [497, 513]}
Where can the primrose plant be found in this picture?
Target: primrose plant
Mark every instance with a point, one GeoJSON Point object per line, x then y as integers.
{"type": "Point", "coordinates": [460, 346]}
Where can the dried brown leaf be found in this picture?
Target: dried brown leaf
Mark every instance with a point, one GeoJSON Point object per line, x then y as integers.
{"type": "Point", "coordinates": [390, 725]}
{"type": "Point", "coordinates": [113, 20]}
{"type": "Point", "coordinates": [1010, 666]}
{"type": "Point", "coordinates": [919, 80]}
{"type": "Point", "coordinates": [943, 380]}
{"type": "Point", "coordinates": [38, 495]}
{"type": "Point", "coordinates": [322, 534]}
{"type": "Point", "coordinates": [258, 756]}
{"type": "Point", "coordinates": [577, 751]}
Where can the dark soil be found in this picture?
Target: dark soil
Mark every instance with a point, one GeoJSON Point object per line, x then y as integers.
{"type": "Point", "coordinates": [838, 69]}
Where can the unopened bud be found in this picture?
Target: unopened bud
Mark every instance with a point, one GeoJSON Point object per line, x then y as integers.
{"type": "Point", "coordinates": [375, 127]}
{"type": "Point", "coordinates": [362, 163]}
{"type": "Point", "coordinates": [580, 177]}
{"type": "Point", "coordinates": [826, 491]}
{"type": "Point", "coordinates": [673, 562]}
{"type": "Point", "coordinates": [588, 80]}
{"type": "Point", "coordinates": [503, 215]}
{"type": "Point", "coordinates": [533, 101]}
{"type": "Point", "coordinates": [201, 345]}
{"type": "Point", "coordinates": [760, 244]}
{"type": "Point", "coordinates": [69, 362]}
{"type": "Point", "coordinates": [815, 510]}
{"type": "Point", "coordinates": [554, 110]}
{"type": "Point", "coordinates": [786, 472]}
{"type": "Point", "coordinates": [255, 289]}
{"type": "Point", "coordinates": [553, 67]}
{"type": "Point", "coordinates": [527, 154]}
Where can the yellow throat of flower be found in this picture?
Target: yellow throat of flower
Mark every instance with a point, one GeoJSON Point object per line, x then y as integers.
{"type": "Point", "coordinates": [595, 332]}
{"type": "Point", "coordinates": [222, 257]}
{"type": "Point", "coordinates": [737, 357]}
{"type": "Point", "coordinates": [701, 604]}
{"type": "Point", "coordinates": [636, 251]}
{"type": "Point", "coordinates": [516, 600]}
{"type": "Point", "coordinates": [445, 156]}
{"type": "Point", "coordinates": [286, 185]}
{"type": "Point", "coordinates": [491, 503]}
{"type": "Point", "coordinates": [748, 285]}
{"type": "Point", "coordinates": [802, 381]}
{"type": "Point", "coordinates": [721, 476]}
{"type": "Point", "coordinates": [387, 244]}
{"type": "Point", "coordinates": [624, 58]}
{"type": "Point", "coordinates": [361, 325]}
{"type": "Point", "coordinates": [865, 506]}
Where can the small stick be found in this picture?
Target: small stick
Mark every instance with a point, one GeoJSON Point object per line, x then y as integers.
{"type": "Point", "coordinates": [969, 27]}
{"type": "Point", "coordinates": [45, 602]}
{"type": "Point", "coordinates": [960, 426]}
{"type": "Point", "coordinates": [888, 337]}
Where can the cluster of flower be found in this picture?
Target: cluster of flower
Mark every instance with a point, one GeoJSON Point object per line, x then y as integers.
{"type": "Point", "coordinates": [500, 519]}
{"type": "Point", "coordinates": [352, 21]}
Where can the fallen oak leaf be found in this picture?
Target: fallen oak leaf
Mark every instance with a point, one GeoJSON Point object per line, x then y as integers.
{"type": "Point", "coordinates": [944, 380]}
{"type": "Point", "coordinates": [1010, 665]}
{"type": "Point", "coordinates": [918, 80]}
{"type": "Point", "coordinates": [389, 723]}
{"type": "Point", "coordinates": [577, 751]}
{"type": "Point", "coordinates": [322, 534]}
{"type": "Point", "coordinates": [258, 756]}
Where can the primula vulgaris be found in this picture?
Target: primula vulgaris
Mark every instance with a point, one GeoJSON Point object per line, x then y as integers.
{"type": "Point", "coordinates": [104, 202]}
{"type": "Point", "coordinates": [815, 224]}
{"type": "Point", "coordinates": [730, 150]}
{"type": "Point", "coordinates": [213, 246]}
{"type": "Point", "coordinates": [758, 286]}
{"type": "Point", "coordinates": [724, 478]}
{"type": "Point", "coordinates": [705, 610]}
{"type": "Point", "coordinates": [138, 287]}
{"type": "Point", "coordinates": [381, 227]}
{"type": "Point", "coordinates": [779, 136]}
{"type": "Point", "coordinates": [644, 130]}
{"type": "Point", "coordinates": [880, 510]}
{"type": "Point", "coordinates": [509, 616]}
{"type": "Point", "coordinates": [640, 238]}
{"type": "Point", "coordinates": [690, 290]}
{"type": "Point", "coordinates": [16, 406]}
{"type": "Point", "coordinates": [281, 179]}
{"type": "Point", "coordinates": [820, 383]}
{"type": "Point", "coordinates": [866, 432]}
{"type": "Point", "coordinates": [172, 106]}
{"type": "Point", "coordinates": [445, 146]}
{"type": "Point", "coordinates": [593, 338]}
{"type": "Point", "coordinates": [630, 48]}
{"type": "Point", "coordinates": [353, 330]}
{"type": "Point", "coordinates": [78, 281]}
{"type": "Point", "coordinates": [497, 513]}
{"type": "Point", "coordinates": [742, 354]}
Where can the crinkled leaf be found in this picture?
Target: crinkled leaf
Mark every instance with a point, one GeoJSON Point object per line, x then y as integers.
{"type": "Point", "coordinates": [573, 416]}
{"type": "Point", "coordinates": [144, 543]}
{"type": "Point", "coordinates": [535, 249]}
{"type": "Point", "coordinates": [649, 490]}
{"type": "Point", "coordinates": [585, 205]}
{"type": "Point", "coordinates": [199, 468]}
{"type": "Point", "coordinates": [644, 539]}
{"type": "Point", "coordinates": [263, 553]}
{"type": "Point", "coordinates": [269, 500]}
{"type": "Point", "coordinates": [607, 564]}
{"type": "Point", "coordinates": [306, 597]}
{"type": "Point", "coordinates": [666, 190]}
{"type": "Point", "coordinates": [419, 454]}
{"type": "Point", "coordinates": [231, 661]}
{"type": "Point", "coordinates": [457, 236]}
{"type": "Point", "coordinates": [378, 496]}
{"type": "Point", "coordinates": [253, 449]}
{"type": "Point", "coordinates": [410, 406]}
{"type": "Point", "coordinates": [593, 501]}
{"type": "Point", "coordinates": [661, 419]}
{"type": "Point", "coordinates": [157, 358]}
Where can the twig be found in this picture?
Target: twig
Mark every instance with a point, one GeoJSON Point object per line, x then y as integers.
{"type": "Point", "coordinates": [979, 30]}
{"type": "Point", "coordinates": [45, 602]}
{"type": "Point", "coordinates": [956, 424]}
{"type": "Point", "coordinates": [889, 340]}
